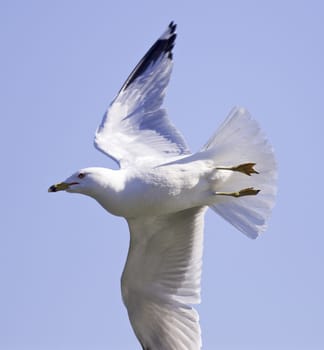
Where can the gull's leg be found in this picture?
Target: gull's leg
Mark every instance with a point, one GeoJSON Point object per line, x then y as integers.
{"type": "Point", "coordinates": [250, 191]}
{"type": "Point", "coordinates": [245, 168]}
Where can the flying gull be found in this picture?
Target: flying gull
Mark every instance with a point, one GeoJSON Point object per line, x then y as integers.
{"type": "Point", "coordinates": [163, 191]}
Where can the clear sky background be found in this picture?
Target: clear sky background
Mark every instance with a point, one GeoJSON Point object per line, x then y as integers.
{"type": "Point", "coordinates": [61, 255]}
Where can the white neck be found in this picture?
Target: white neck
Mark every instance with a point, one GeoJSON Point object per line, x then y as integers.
{"type": "Point", "coordinates": [106, 188]}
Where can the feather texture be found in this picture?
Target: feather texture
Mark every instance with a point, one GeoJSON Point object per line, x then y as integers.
{"type": "Point", "coordinates": [161, 279]}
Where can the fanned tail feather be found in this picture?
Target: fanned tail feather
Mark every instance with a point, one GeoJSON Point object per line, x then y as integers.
{"type": "Point", "coordinates": [239, 140]}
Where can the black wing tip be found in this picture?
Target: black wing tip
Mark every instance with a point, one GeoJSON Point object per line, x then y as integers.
{"type": "Point", "coordinates": [172, 27]}
{"type": "Point", "coordinates": [170, 46]}
{"type": "Point", "coordinates": [170, 40]}
{"type": "Point", "coordinates": [163, 46]}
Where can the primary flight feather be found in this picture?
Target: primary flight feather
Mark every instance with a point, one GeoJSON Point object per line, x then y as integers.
{"type": "Point", "coordinates": [163, 191]}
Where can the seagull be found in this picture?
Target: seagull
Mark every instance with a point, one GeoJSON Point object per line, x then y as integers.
{"type": "Point", "coordinates": [163, 191]}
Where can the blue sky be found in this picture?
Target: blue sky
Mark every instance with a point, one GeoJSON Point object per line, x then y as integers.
{"type": "Point", "coordinates": [61, 256]}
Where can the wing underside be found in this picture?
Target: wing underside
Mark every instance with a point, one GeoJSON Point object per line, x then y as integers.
{"type": "Point", "coordinates": [161, 279]}
{"type": "Point", "coordinates": [135, 127]}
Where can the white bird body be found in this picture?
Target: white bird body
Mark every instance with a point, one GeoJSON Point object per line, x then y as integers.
{"type": "Point", "coordinates": [163, 191]}
{"type": "Point", "coordinates": [148, 191]}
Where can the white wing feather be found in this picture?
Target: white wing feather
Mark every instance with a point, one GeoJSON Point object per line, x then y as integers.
{"type": "Point", "coordinates": [135, 128]}
{"type": "Point", "coordinates": [161, 279]}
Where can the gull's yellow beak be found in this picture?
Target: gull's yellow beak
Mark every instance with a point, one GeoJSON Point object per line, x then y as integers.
{"type": "Point", "coordinates": [59, 187]}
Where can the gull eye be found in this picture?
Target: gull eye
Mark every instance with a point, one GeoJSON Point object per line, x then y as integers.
{"type": "Point", "coordinates": [81, 175]}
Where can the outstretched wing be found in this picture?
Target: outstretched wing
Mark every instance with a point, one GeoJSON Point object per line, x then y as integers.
{"type": "Point", "coordinates": [135, 128]}
{"type": "Point", "coordinates": [161, 279]}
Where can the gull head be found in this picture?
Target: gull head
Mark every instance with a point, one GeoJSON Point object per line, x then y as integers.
{"type": "Point", "coordinates": [84, 181]}
{"type": "Point", "coordinates": [102, 184]}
